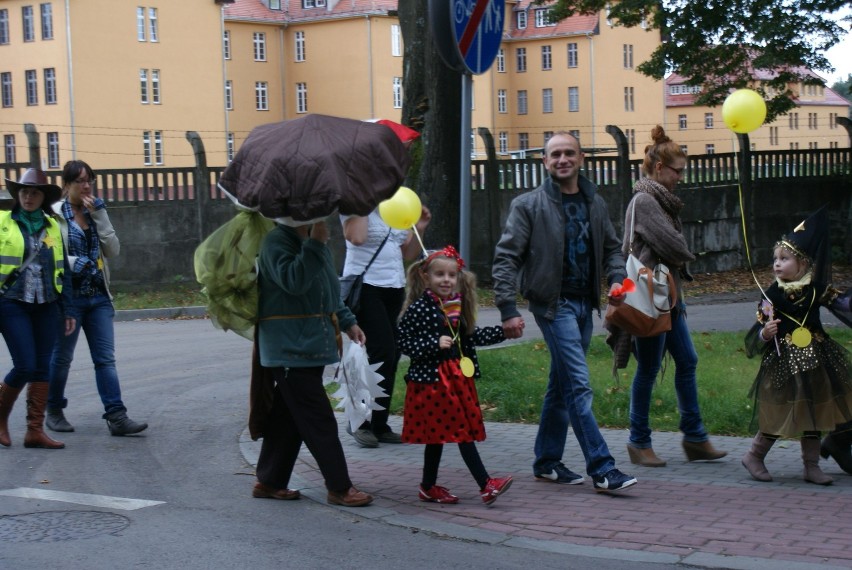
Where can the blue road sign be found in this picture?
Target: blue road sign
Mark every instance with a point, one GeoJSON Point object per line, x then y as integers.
{"type": "Point", "coordinates": [477, 27]}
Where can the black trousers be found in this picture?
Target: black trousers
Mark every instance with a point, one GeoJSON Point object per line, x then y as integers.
{"type": "Point", "coordinates": [380, 308]}
{"type": "Point", "coordinates": [301, 412]}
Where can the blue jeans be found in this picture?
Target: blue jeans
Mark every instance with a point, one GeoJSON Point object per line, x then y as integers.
{"type": "Point", "coordinates": [95, 318]}
{"type": "Point", "coordinates": [649, 355]}
{"type": "Point", "coordinates": [30, 331]}
{"type": "Point", "coordinates": [569, 394]}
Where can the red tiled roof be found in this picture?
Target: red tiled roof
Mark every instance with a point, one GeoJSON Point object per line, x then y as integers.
{"type": "Point", "coordinates": [292, 11]}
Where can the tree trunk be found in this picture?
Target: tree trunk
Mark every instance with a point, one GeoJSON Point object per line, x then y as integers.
{"type": "Point", "coordinates": [432, 104]}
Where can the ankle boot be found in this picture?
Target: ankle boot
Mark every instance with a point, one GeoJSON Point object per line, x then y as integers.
{"type": "Point", "coordinates": [810, 458]}
{"type": "Point", "coordinates": [8, 395]}
{"type": "Point", "coordinates": [839, 446]}
{"type": "Point", "coordinates": [753, 459]}
{"type": "Point", "coordinates": [702, 451]}
{"type": "Point", "coordinates": [119, 424]}
{"type": "Point", "coordinates": [36, 404]}
{"type": "Point", "coordinates": [645, 457]}
{"type": "Point", "coordinates": [56, 421]}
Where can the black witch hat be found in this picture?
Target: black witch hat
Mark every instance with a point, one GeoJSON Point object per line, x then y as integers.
{"type": "Point", "coordinates": [810, 240]}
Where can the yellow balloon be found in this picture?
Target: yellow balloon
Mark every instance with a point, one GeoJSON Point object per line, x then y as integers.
{"type": "Point", "coordinates": [402, 210]}
{"type": "Point", "coordinates": [743, 111]}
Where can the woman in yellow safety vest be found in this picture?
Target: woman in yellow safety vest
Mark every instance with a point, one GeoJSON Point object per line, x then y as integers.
{"type": "Point", "coordinates": [32, 281]}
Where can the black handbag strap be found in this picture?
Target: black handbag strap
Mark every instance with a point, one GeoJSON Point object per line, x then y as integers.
{"type": "Point", "coordinates": [376, 254]}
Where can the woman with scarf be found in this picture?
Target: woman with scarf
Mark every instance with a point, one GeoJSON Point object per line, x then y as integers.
{"type": "Point", "coordinates": [658, 238]}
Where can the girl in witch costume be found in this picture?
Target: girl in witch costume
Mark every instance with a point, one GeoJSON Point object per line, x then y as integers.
{"type": "Point", "coordinates": [437, 331]}
{"type": "Point", "coordinates": [804, 385]}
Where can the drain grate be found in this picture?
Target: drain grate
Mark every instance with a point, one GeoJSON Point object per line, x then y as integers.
{"type": "Point", "coordinates": [56, 526]}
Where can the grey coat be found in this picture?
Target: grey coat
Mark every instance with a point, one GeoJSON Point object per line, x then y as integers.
{"type": "Point", "coordinates": [530, 252]}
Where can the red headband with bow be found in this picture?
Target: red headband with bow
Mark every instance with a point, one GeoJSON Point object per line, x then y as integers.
{"type": "Point", "coordinates": [448, 251]}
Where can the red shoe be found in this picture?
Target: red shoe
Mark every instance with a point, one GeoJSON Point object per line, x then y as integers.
{"type": "Point", "coordinates": [262, 491]}
{"type": "Point", "coordinates": [438, 494]}
{"type": "Point", "coordinates": [494, 488]}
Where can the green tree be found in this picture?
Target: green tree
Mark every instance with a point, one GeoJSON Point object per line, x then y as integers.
{"type": "Point", "coordinates": [717, 44]}
{"type": "Point", "coordinates": [844, 87]}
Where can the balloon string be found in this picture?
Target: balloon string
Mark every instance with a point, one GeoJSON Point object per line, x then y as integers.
{"type": "Point", "coordinates": [416, 233]}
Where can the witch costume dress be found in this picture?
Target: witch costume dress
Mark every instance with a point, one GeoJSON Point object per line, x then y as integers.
{"type": "Point", "coordinates": [805, 379]}
{"type": "Point", "coordinates": [441, 403]}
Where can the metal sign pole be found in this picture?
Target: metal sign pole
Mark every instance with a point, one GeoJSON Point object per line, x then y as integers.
{"type": "Point", "coordinates": [464, 178]}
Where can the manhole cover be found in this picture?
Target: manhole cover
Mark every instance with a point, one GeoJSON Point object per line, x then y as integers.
{"type": "Point", "coordinates": [56, 526]}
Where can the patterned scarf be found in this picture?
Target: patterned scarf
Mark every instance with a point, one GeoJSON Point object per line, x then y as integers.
{"type": "Point", "coordinates": [451, 306]}
{"type": "Point", "coordinates": [667, 200]}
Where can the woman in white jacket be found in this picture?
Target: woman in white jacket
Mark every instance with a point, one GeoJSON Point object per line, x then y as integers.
{"type": "Point", "coordinates": [89, 239]}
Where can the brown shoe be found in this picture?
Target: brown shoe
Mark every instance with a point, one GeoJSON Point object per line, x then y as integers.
{"type": "Point", "coordinates": [702, 451]}
{"type": "Point", "coordinates": [352, 497]}
{"type": "Point", "coordinates": [262, 491]}
{"type": "Point", "coordinates": [645, 457]}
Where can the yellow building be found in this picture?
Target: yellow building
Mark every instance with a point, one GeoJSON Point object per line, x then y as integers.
{"type": "Point", "coordinates": [113, 82]}
{"type": "Point", "coordinates": [811, 125]}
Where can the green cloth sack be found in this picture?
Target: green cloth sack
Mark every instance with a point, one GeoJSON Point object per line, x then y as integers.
{"type": "Point", "coordinates": [225, 266]}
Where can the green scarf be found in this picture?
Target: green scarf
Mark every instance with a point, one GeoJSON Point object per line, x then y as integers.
{"type": "Point", "coordinates": [32, 221]}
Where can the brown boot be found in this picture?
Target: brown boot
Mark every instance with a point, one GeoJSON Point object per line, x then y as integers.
{"type": "Point", "coordinates": [753, 459]}
{"type": "Point", "coordinates": [36, 404]}
{"type": "Point", "coordinates": [810, 457]}
{"type": "Point", "coordinates": [645, 457]}
{"type": "Point", "coordinates": [702, 451]}
{"type": "Point", "coordinates": [8, 395]}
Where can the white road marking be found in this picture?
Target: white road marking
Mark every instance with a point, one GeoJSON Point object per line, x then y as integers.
{"type": "Point", "coordinates": [104, 501]}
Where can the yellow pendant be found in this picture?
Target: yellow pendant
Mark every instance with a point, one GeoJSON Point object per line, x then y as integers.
{"type": "Point", "coordinates": [466, 365]}
{"type": "Point", "coordinates": [801, 337]}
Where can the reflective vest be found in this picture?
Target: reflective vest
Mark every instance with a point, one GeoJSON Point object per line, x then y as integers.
{"type": "Point", "coordinates": [12, 247]}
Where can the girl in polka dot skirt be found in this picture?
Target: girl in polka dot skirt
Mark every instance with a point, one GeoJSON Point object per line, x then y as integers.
{"type": "Point", "coordinates": [438, 332]}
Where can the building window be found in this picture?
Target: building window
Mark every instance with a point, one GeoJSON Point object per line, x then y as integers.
{"type": "Point", "coordinates": [32, 86]}
{"type": "Point", "coordinates": [396, 41]}
{"type": "Point", "coordinates": [6, 88]}
{"type": "Point", "coordinates": [502, 106]}
{"type": "Point", "coordinates": [153, 33]}
{"type": "Point", "coordinates": [685, 149]}
{"type": "Point", "coordinates": [833, 144]}
{"type": "Point", "coordinates": [4, 26]}
{"type": "Point", "coordinates": [708, 120]}
{"type": "Point", "coordinates": [301, 97]}
{"type": "Point", "coordinates": [542, 18]}
{"type": "Point", "coordinates": [29, 25]}
{"type": "Point", "coordinates": [397, 92]}
{"type": "Point", "coordinates": [522, 20]}
{"type": "Point", "coordinates": [300, 46]}
{"type": "Point", "coordinates": [46, 21]}
{"type": "Point", "coordinates": [832, 120]}
{"type": "Point", "coordinates": [814, 120]}
{"type": "Point", "coordinates": [522, 102]}
{"type": "Point", "coordinates": [773, 136]}
{"type": "Point", "coordinates": [53, 150]}
{"type": "Point", "coordinates": [575, 133]}
{"type": "Point", "coordinates": [231, 149]}
{"type": "Point", "coordinates": [146, 148]}
{"type": "Point", "coordinates": [794, 121]}
{"type": "Point", "coordinates": [502, 141]}
{"type": "Point", "coordinates": [313, 3]}
{"type": "Point", "coordinates": [155, 86]}
{"type": "Point", "coordinates": [143, 86]}
{"type": "Point", "coordinates": [158, 147]}
{"type": "Point", "coordinates": [501, 61]}
{"type": "Point", "coordinates": [628, 99]}
{"type": "Point", "coordinates": [226, 44]}
{"type": "Point", "coordinates": [710, 149]}
{"type": "Point", "coordinates": [274, 4]}
{"type": "Point", "coordinates": [628, 56]}
{"type": "Point", "coordinates": [681, 122]}
{"type": "Point", "coordinates": [140, 25]}
{"type": "Point", "coordinates": [261, 96]}
{"type": "Point", "coordinates": [572, 55]}
{"type": "Point", "coordinates": [546, 58]}
{"type": "Point", "coordinates": [259, 40]}
{"type": "Point", "coordinates": [573, 99]}
{"type": "Point", "coordinates": [547, 100]}
{"type": "Point", "coordinates": [229, 95]}
{"type": "Point", "coordinates": [50, 86]}
{"type": "Point", "coordinates": [547, 136]}
{"type": "Point", "coordinates": [9, 149]}
{"type": "Point", "coordinates": [631, 140]}
{"type": "Point", "coordinates": [521, 59]}
{"type": "Point", "coordinates": [523, 141]}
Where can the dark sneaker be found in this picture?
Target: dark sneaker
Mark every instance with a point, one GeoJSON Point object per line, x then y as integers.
{"type": "Point", "coordinates": [56, 421]}
{"type": "Point", "coordinates": [613, 480]}
{"type": "Point", "coordinates": [438, 494]}
{"type": "Point", "coordinates": [119, 424]}
{"type": "Point", "coordinates": [494, 488]}
{"type": "Point", "coordinates": [389, 437]}
{"type": "Point", "coordinates": [364, 437]}
{"type": "Point", "coordinates": [559, 474]}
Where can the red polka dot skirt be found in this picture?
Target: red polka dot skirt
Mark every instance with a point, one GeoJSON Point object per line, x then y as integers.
{"type": "Point", "coordinates": [446, 411]}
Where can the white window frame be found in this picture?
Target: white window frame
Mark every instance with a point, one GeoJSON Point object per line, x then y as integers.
{"type": "Point", "coordinates": [397, 92]}
{"type": "Point", "coordinates": [522, 20]}
{"type": "Point", "coordinates": [573, 99]}
{"type": "Point", "coordinates": [28, 21]}
{"type": "Point", "coordinates": [46, 10]}
{"type": "Point", "coordinates": [299, 46]}
{"type": "Point", "coordinates": [503, 142]}
{"type": "Point", "coordinates": [53, 150]}
{"type": "Point", "coordinates": [155, 86]}
{"type": "Point", "coordinates": [226, 44]}
{"type": "Point", "coordinates": [396, 40]}
{"type": "Point", "coordinates": [143, 87]}
{"type": "Point", "coordinates": [231, 147]}
{"type": "Point", "coordinates": [546, 58]}
{"type": "Point", "coordinates": [153, 26]}
{"type": "Point", "coordinates": [4, 26]}
{"type": "Point", "coordinates": [10, 153]}
{"type": "Point", "coordinates": [629, 102]}
{"type": "Point", "coordinates": [628, 56]}
{"type": "Point", "coordinates": [274, 4]}
{"type": "Point", "coordinates": [31, 79]}
{"type": "Point", "coordinates": [523, 141]}
{"type": "Point", "coordinates": [682, 122]}
{"type": "Point", "coordinates": [259, 43]}
{"type": "Point", "coordinates": [158, 147]}
{"type": "Point", "coordinates": [6, 93]}
{"type": "Point", "coordinates": [630, 134]}
{"type": "Point", "coordinates": [49, 74]}
{"type": "Point", "coordinates": [523, 102]}
{"type": "Point", "coordinates": [501, 61]}
{"type": "Point", "coordinates": [502, 101]}
{"type": "Point", "coordinates": [542, 18]}
{"type": "Point", "coordinates": [140, 24]}
{"type": "Point", "coordinates": [146, 148]}
{"type": "Point", "coordinates": [708, 120]}
{"type": "Point", "coordinates": [573, 55]}
{"type": "Point", "coordinates": [229, 95]}
{"type": "Point", "coordinates": [301, 98]}
{"type": "Point", "coordinates": [710, 148]}
{"type": "Point", "coordinates": [773, 136]}
{"type": "Point", "coordinates": [261, 96]}
{"type": "Point", "coordinates": [547, 100]}
{"type": "Point", "coordinates": [521, 60]}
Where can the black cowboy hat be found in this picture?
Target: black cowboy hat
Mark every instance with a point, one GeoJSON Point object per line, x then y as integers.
{"type": "Point", "coordinates": [35, 178]}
